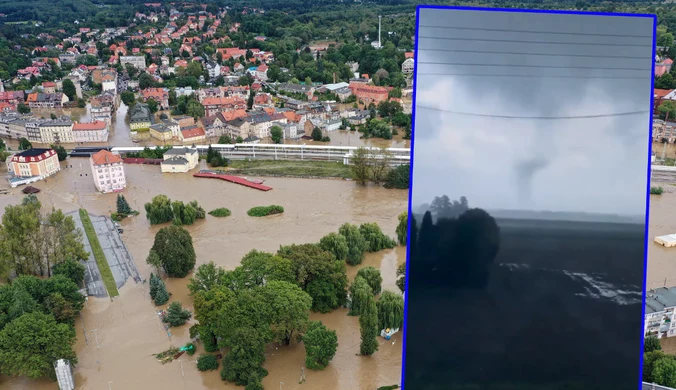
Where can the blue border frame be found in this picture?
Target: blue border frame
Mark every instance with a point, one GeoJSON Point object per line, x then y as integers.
{"type": "Point", "coordinates": [413, 109]}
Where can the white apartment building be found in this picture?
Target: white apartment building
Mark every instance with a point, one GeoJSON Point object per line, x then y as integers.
{"type": "Point", "coordinates": [138, 61]}
{"type": "Point", "coordinates": [56, 131]}
{"type": "Point", "coordinates": [407, 66]}
{"type": "Point", "coordinates": [659, 312]}
{"type": "Point", "coordinates": [108, 171]}
{"type": "Point", "coordinates": [96, 131]}
{"type": "Point", "coordinates": [180, 160]}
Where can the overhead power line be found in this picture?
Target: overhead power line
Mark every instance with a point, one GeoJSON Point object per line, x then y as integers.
{"type": "Point", "coordinates": [537, 32]}
{"type": "Point", "coordinates": [498, 53]}
{"type": "Point", "coordinates": [528, 41]}
{"type": "Point", "coordinates": [567, 117]}
{"type": "Point", "coordinates": [530, 76]}
{"type": "Point", "coordinates": [525, 66]}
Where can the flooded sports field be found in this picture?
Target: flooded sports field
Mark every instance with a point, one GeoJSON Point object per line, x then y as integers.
{"type": "Point", "coordinates": [116, 340]}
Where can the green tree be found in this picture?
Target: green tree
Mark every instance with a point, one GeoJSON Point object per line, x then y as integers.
{"type": "Point", "coordinates": [250, 100]}
{"type": "Point", "coordinates": [376, 240]}
{"type": "Point", "coordinates": [398, 177]}
{"type": "Point", "coordinates": [368, 326]}
{"type": "Point", "coordinates": [651, 343]}
{"type": "Point", "coordinates": [277, 134]}
{"type": "Point", "coordinates": [71, 269]}
{"type": "Point", "coordinates": [372, 277]}
{"type": "Point", "coordinates": [128, 98]}
{"type": "Point", "coordinates": [390, 310]}
{"type": "Point", "coordinates": [402, 228]}
{"type": "Point", "coordinates": [63, 310]}
{"type": "Point", "coordinates": [154, 260]}
{"type": "Point", "coordinates": [246, 355]}
{"type": "Point", "coordinates": [290, 308]}
{"type": "Point", "coordinates": [225, 139]}
{"type": "Point", "coordinates": [361, 165]}
{"type": "Point", "coordinates": [319, 274]}
{"type": "Point", "coordinates": [159, 210]}
{"type": "Point", "coordinates": [257, 268]}
{"type": "Point", "coordinates": [336, 244]}
{"type": "Point", "coordinates": [360, 294]}
{"type": "Point", "coordinates": [177, 315]}
{"type": "Point", "coordinates": [316, 134]}
{"type": "Point", "coordinates": [401, 277]}
{"type": "Point", "coordinates": [321, 344]}
{"type": "Point", "coordinates": [667, 108]}
{"type": "Point", "coordinates": [194, 109]}
{"type": "Point", "coordinates": [69, 89]}
{"type": "Point", "coordinates": [254, 382]}
{"type": "Point", "coordinates": [153, 106]}
{"type": "Point", "coordinates": [206, 277]}
{"type": "Point", "coordinates": [174, 246]}
{"type": "Point", "coordinates": [61, 152]}
{"type": "Point", "coordinates": [24, 144]}
{"type": "Point", "coordinates": [649, 359]}
{"type": "Point", "coordinates": [356, 243]}
{"type": "Point", "coordinates": [664, 372]}
{"type": "Point", "coordinates": [146, 81]}
{"type": "Point", "coordinates": [122, 205]}
{"type": "Point", "coordinates": [31, 344]}
{"type": "Point", "coordinates": [207, 362]}
{"type": "Point", "coordinates": [23, 108]}
{"type": "Point", "coordinates": [161, 293]}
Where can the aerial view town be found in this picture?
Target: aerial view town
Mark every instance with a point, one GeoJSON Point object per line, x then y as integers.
{"type": "Point", "coordinates": [123, 267]}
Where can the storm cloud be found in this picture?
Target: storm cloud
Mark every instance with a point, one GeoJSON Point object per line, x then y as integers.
{"type": "Point", "coordinates": [486, 94]}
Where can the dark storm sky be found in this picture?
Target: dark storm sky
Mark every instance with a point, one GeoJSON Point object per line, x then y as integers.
{"type": "Point", "coordinates": [603, 66]}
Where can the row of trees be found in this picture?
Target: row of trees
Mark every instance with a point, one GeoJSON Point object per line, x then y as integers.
{"type": "Point", "coordinates": [32, 243]}
{"type": "Point", "coordinates": [162, 210]}
{"type": "Point", "coordinates": [268, 298]}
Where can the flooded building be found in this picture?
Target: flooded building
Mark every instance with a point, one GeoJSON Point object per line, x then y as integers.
{"type": "Point", "coordinates": [32, 165]}
{"type": "Point", "coordinates": [659, 312]}
{"type": "Point", "coordinates": [140, 117]}
{"type": "Point", "coordinates": [107, 172]}
{"type": "Point", "coordinates": [96, 131]}
{"type": "Point", "coordinates": [180, 160]}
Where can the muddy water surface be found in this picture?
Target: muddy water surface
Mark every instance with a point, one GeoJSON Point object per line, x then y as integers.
{"type": "Point", "coordinates": [127, 330]}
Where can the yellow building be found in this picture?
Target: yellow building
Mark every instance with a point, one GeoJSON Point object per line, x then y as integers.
{"type": "Point", "coordinates": [140, 117]}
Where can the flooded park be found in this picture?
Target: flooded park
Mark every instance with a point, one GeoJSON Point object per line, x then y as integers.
{"type": "Point", "coordinates": [116, 340]}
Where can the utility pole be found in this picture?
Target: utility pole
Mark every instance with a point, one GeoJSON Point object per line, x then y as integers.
{"type": "Point", "coordinates": [664, 133]}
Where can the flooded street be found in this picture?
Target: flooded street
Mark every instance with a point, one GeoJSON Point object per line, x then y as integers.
{"type": "Point", "coordinates": [128, 331]}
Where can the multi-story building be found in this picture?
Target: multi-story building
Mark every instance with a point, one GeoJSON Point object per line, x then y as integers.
{"type": "Point", "coordinates": [161, 132]}
{"type": "Point", "coordinates": [109, 81]}
{"type": "Point", "coordinates": [140, 117]}
{"type": "Point", "coordinates": [664, 131]}
{"type": "Point", "coordinates": [107, 171]}
{"type": "Point", "coordinates": [103, 106]}
{"type": "Point", "coordinates": [32, 165]}
{"type": "Point", "coordinates": [96, 131]}
{"type": "Point", "coordinates": [180, 159]}
{"type": "Point", "coordinates": [160, 95]}
{"type": "Point", "coordinates": [192, 134]}
{"type": "Point", "coordinates": [659, 312]}
{"type": "Point", "coordinates": [407, 66]}
{"type": "Point", "coordinates": [239, 128]}
{"type": "Point", "coordinates": [369, 93]}
{"type": "Point", "coordinates": [58, 130]}
{"type": "Point", "coordinates": [137, 61]}
{"type": "Point", "coordinates": [46, 100]}
{"type": "Point", "coordinates": [13, 125]}
{"type": "Point", "coordinates": [214, 69]}
{"type": "Point", "coordinates": [214, 105]}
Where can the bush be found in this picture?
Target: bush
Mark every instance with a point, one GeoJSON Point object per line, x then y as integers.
{"type": "Point", "coordinates": [398, 177]}
{"type": "Point", "coordinates": [656, 190]}
{"type": "Point", "coordinates": [191, 349]}
{"type": "Point", "coordinates": [262, 211]}
{"type": "Point", "coordinates": [177, 315]}
{"type": "Point", "coordinates": [651, 343]}
{"type": "Point", "coordinates": [207, 363]}
{"type": "Point", "coordinates": [220, 212]}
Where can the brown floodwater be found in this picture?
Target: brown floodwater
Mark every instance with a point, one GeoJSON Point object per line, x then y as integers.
{"type": "Point", "coordinates": [122, 335]}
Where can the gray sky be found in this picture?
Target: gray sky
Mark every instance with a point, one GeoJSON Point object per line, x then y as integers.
{"type": "Point", "coordinates": [595, 165]}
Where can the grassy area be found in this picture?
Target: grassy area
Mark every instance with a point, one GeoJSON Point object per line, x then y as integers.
{"type": "Point", "coordinates": [291, 168]}
{"type": "Point", "coordinates": [104, 268]}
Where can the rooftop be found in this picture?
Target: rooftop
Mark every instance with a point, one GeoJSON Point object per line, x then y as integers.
{"type": "Point", "coordinates": [32, 152]}
{"type": "Point", "coordinates": [103, 157]}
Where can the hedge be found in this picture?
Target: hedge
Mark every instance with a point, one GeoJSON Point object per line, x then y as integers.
{"type": "Point", "coordinates": [262, 211]}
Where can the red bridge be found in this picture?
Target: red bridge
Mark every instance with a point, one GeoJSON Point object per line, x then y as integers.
{"type": "Point", "coordinates": [232, 179]}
